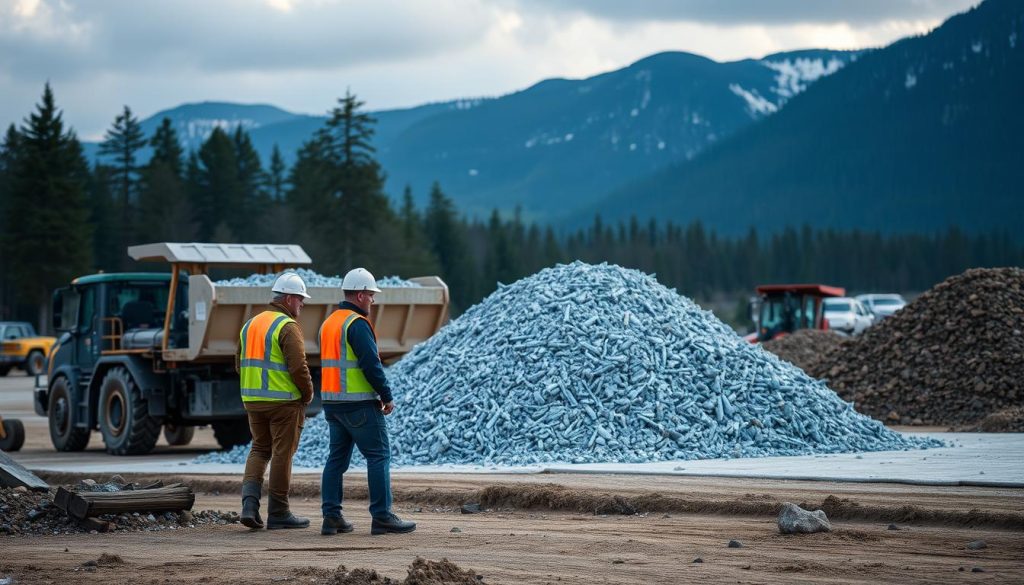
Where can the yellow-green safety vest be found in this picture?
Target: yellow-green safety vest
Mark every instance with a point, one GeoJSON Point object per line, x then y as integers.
{"type": "Point", "coordinates": [263, 370]}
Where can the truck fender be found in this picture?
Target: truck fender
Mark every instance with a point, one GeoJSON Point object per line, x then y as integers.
{"type": "Point", "coordinates": [153, 386]}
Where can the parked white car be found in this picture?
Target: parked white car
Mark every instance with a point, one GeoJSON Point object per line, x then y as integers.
{"type": "Point", "coordinates": [882, 305]}
{"type": "Point", "coordinates": [847, 315]}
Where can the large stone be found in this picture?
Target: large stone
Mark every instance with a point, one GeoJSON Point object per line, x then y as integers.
{"type": "Point", "coordinates": [795, 520]}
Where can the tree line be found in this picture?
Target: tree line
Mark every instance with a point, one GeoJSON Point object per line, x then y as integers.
{"type": "Point", "coordinates": [62, 218]}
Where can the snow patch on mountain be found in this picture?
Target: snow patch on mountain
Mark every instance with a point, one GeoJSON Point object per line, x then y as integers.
{"type": "Point", "coordinates": [756, 104]}
{"type": "Point", "coordinates": [793, 76]}
{"type": "Point", "coordinates": [199, 129]}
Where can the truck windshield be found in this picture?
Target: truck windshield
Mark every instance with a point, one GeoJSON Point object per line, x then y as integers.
{"type": "Point", "coordinates": [138, 305]}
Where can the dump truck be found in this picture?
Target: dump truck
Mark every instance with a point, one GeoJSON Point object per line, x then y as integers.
{"type": "Point", "coordinates": [145, 351]}
{"type": "Point", "coordinates": [781, 309]}
{"type": "Point", "coordinates": [20, 347]}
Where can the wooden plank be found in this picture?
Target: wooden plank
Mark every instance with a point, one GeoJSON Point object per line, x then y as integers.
{"type": "Point", "coordinates": [13, 474]}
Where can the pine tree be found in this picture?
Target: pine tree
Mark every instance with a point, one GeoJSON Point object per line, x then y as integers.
{"type": "Point", "coordinates": [8, 151]}
{"type": "Point", "coordinates": [252, 182]}
{"type": "Point", "coordinates": [217, 191]}
{"type": "Point", "coordinates": [165, 212]}
{"type": "Point", "coordinates": [47, 214]}
{"type": "Point", "coordinates": [447, 238]}
{"type": "Point", "coordinates": [122, 143]}
{"type": "Point", "coordinates": [277, 180]}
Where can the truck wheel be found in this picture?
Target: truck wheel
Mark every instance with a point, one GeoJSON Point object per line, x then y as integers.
{"type": "Point", "coordinates": [36, 363]}
{"type": "Point", "coordinates": [230, 433]}
{"type": "Point", "coordinates": [178, 434]}
{"type": "Point", "coordinates": [64, 433]}
{"type": "Point", "coordinates": [125, 423]}
{"type": "Point", "coordinates": [4, 370]}
{"type": "Point", "coordinates": [15, 435]}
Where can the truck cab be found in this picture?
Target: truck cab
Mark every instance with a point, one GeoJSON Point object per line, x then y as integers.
{"type": "Point", "coordinates": [781, 309]}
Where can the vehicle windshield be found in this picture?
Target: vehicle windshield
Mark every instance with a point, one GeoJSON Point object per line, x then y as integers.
{"type": "Point", "coordinates": [887, 302]}
{"type": "Point", "coordinates": [838, 306]}
{"type": "Point", "coordinates": [138, 305]}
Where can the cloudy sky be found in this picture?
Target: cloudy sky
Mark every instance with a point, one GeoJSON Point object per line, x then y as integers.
{"type": "Point", "coordinates": [301, 54]}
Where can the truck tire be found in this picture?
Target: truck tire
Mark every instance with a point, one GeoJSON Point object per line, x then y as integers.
{"type": "Point", "coordinates": [230, 433]}
{"type": "Point", "coordinates": [125, 423]}
{"type": "Point", "coordinates": [178, 434]}
{"type": "Point", "coordinates": [35, 364]}
{"type": "Point", "coordinates": [4, 370]}
{"type": "Point", "coordinates": [64, 432]}
{"type": "Point", "coordinates": [15, 435]}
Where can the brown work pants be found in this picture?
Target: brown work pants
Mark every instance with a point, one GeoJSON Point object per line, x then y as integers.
{"type": "Point", "coordinates": [276, 427]}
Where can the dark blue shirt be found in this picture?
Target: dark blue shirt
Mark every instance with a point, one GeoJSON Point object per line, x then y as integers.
{"type": "Point", "coordinates": [364, 345]}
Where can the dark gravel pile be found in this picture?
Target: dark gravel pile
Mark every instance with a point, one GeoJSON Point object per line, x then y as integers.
{"type": "Point", "coordinates": [24, 512]}
{"type": "Point", "coordinates": [951, 357]}
{"type": "Point", "coordinates": [1008, 420]}
{"type": "Point", "coordinates": [805, 348]}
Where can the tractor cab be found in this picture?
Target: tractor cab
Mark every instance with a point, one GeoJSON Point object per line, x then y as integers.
{"type": "Point", "coordinates": [781, 309]}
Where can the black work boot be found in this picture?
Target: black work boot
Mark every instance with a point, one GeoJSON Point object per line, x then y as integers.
{"type": "Point", "coordinates": [251, 504]}
{"type": "Point", "coordinates": [392, 524]}
{"type": "Point", "coordinates": [281, 517]}
{"type": "Point", "coordinates": [334, 525]}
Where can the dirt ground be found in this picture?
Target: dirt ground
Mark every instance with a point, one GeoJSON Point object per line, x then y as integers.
{"type": "Point", "coordinates": [556, 529]}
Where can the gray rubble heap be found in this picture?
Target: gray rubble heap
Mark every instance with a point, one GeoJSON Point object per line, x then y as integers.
{"type": "Point", "coordinates": [582, 363]}
{"type": "Point", "coordinates": [312, 278]}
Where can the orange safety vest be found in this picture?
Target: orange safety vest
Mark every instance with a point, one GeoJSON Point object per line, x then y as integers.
{"type": "Point", "coordinates": [341, 378]}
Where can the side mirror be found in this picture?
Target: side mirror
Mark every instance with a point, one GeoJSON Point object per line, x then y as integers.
{"type": "Point", "coordinates": [65, 309]}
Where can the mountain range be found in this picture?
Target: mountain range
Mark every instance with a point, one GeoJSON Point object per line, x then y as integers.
{"type": "Point", "coordinates": [919, 135]}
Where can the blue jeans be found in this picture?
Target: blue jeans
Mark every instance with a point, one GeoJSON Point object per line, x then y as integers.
{"type": "Point", "coordinates": [362, 426]}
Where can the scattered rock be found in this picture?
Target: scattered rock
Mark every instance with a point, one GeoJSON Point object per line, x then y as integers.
{"type": "Point", "coordinates": [795, 520]}
{"type": "Point", "coordinates": [736, 543]}
{"type": "Point", "coordinates": [894, 527]}
{"type": "Point", "coordinates": [698, 560]}
{"type": "Point", "coordinates": [977, 545]}
{"type": "Point", "coordinates": [977, 570]}
{"type": "Point", "coordinates": [618, 562]}
{"type": "Point", "coordinates": [456, 529]}
{"type": "Point", "coordinates": [471, 508]}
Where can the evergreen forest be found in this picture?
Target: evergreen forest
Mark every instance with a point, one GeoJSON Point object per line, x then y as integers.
{"type": "Point", "coordinates": [62, 217]}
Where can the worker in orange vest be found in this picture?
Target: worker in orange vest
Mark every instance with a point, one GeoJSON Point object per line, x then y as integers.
{"type": "Point", "coordinates": [356, 398]}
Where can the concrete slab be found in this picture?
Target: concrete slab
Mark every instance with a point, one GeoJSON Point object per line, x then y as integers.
{"type": "Point", "coordinates": [976, 459]}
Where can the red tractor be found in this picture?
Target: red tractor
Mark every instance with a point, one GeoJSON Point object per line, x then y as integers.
{"type": "Point", "coordinates": [780, 309]}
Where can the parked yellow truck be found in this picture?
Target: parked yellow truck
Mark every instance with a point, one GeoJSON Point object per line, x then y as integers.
{"type": "Point", "coordinates": [144, 351]}
{"type": "Point", "coordinates": [20, 347]}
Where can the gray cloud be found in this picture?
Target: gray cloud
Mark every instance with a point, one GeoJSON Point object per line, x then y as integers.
{"type": "Point", "coordinates": [775, 12]}
{"type": "Point", "coordinates": [68, 38]}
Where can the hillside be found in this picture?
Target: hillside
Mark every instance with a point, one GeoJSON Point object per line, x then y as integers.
{"type": "Point", "coordinates": [557, 146]}
{"type": "Point", "coordinates": [923, 134]}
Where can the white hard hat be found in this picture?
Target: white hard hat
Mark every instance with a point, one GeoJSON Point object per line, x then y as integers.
{"type": "Point", "coordinates": [359, 279]}
{"type": "Point", "coordinates": [290, 283]}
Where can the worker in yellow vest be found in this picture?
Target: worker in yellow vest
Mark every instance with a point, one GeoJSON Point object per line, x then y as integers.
{"type": "Point", "coordinates": [356, 397]}
{"type": "Point", "coordinates": [276, 387]}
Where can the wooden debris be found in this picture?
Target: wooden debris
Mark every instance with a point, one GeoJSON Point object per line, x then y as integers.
{"type": "Point", "coordinates": [13, 474]}
{"type": "Point", "coordinates": [82, 505]}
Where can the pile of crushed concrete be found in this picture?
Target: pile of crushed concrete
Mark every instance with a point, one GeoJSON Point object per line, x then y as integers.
{"type": "Point", "coordinates": [313, 278]}
{"type": "Point", "coordinates": [582, 363]}
{"type": "Point", "coordinates": [951, 357]}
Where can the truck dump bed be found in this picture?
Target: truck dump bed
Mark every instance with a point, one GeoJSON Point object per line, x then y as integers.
{"type": "Point", "coordinates": [401, 317]}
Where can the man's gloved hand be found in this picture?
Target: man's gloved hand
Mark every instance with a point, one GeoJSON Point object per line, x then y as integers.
{"type": "Point", "coordinates": [388, 408]}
